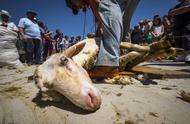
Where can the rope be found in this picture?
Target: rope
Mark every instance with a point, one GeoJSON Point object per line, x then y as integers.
{"type": "Point", "coordinates": [84, 25]}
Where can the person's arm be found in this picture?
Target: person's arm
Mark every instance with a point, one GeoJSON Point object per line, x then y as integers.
{"type": "Point", "coordinates": [179, 11]}
{"type": "Point", "coordinates": [22, 34]}
{"type": "Point", "coordinates": [48, 38]}
{"type": "Point", "coordinates": [153, 33]}
{"type": "Point", "coordinates": [15, 29]}
{"type": "Point", "coordinates": [21, 29]}
{"type": "Point", "coordinates": [94, 6]}
{"type": "Point", "coordinates": [162, 30]}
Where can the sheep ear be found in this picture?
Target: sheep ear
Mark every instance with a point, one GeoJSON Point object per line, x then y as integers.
{"type": "Point", "coordinates": [63, 60]}
{"type": "Point", "coordinates": [74, 50]}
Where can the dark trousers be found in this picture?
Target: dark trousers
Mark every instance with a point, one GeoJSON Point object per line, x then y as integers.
{"type": "Point", "coordinates": [32, 48]}
{"type": "Point", "coordinates": [45, 53]}
{"type": "Point", "coordinates": [182, 39]}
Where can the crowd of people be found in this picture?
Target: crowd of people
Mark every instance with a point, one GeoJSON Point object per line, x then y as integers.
{"type": "Point", "coordinates": [148, 31]}
{"type": "Point", "coordinates": [35, 38]}
{"type": "Point", "coordinates": [176, 22]}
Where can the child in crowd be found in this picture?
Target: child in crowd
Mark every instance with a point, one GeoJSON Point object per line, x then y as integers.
{"type": "Point", "coordinates": [148, 31]}
{"type": "Point", "coordinates": [61, 42]}
{"type": "Point", "coordinates": [158, 28]}
{"type": "Point", "coordinates": [67, 44]}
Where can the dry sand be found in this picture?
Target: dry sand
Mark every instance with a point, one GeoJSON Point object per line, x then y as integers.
{"type": "Point", "coordinates": [154, 102]}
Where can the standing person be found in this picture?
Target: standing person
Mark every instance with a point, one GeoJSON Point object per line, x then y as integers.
{"type": "Point", "coordinates": [78, 39]}
{"type": "Point", "coordinates": [148, 32]}
{"type": "Point", "coordinates": [66, 45]}
{"type": "Point", "coordinates": [31, 36]}
{"type": "Point", "coordinates": [72, 41]}
{"type": "Point", "coordinates": [58, 33]}
{"type": "Point", "coordinates": [42, 32]}
{"type": "Point", "coordinates": [5, 16]}
{"type": "Point", "coordinates": [109, 20]}
{"type": "Point", "coordinates": [137, 35]}
{"type": "Point", "coordinates": [129, 8]}
{"type": "Point", "coordinates": [181, 27]}
{"type": "Point", "coordinates": [158, 28]}
{"type": "Point", "coordinates": [167, 25]}
{"type": "Point", "coordinates": [142, 25]}
{"type": "Point", "coordinates": [48, 47]}
{"type": "Point", "coordinates": [61, 43]}
{"type": "Point", "coordinates": [5, 22]}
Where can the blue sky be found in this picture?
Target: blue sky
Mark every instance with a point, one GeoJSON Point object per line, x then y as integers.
{"type": "Point", "coordinates": [55, 14]}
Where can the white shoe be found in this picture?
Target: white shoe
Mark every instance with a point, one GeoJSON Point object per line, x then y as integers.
{"type": "Point", "coordinates": [180, 58]}
{"type": "Point", "coordinates": [187, 59]}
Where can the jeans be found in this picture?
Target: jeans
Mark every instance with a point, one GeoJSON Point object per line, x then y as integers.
{"type": "Point", "coordinates": [182, 39]}
{"type": "Point", "coordinates": [111, 14]}
{"type": "Point", "coordinates": [128, 9]}
{"type": "Point", "coordinates": [33, 50]}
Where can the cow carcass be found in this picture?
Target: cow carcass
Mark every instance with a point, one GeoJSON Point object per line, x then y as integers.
{"type": "Point", "coordinates": [67, 72]}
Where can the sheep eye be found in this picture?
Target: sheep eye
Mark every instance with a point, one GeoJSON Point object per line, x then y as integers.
{"type": "Point", "coordinates": [63, 60]}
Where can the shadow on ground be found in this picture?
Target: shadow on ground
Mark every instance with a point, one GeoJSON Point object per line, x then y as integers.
{"type": "Point", "coordinates": [65, 105]}
{"type": "Point", "coordinates": [148, 82]}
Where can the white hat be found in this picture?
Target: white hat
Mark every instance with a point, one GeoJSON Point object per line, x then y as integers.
{"type": "Point", "coordinates": [4, 12]}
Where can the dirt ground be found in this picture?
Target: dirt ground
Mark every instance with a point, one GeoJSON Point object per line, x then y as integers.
{"type": "Point", "coordinates": [155, 101]}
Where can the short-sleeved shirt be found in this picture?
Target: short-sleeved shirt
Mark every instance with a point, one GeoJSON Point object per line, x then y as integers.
{"type": "Point", "coordinates": [11, 26]}
{"type": "Point", "coordinates": [32, 29]}
{"type": "Point", "coordinates": [158, 30]}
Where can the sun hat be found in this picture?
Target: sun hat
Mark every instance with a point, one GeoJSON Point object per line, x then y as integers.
{"type": "Point", "coordinates": [32, 12]}
{"type": "Point", "coordinates": [4, 12]}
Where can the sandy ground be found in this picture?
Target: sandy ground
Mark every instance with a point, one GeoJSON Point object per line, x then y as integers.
{"type": "Point", "coordinates": [152, 102]}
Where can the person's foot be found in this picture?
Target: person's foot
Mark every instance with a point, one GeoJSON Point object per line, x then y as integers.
{"type": "Point", "coordinates": [29, 63]}
{"type": "Point", "coordinates": [103, 72]}
{"type": "Point", "coordinates": [180, 58]}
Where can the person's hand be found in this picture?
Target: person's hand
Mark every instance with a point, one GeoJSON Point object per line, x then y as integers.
{"type": "Point", "coordinates": [23, 38]}
{"type": "Point", "coordinates": [97, 2]}
{"type": "Point", "coordinates": [99, 32]}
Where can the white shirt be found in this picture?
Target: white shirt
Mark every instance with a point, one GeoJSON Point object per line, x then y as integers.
{"type": "Point", "coordinates": [10, 26]}
{"type": "Point", "coordinates": [31, 29]}
{"type": "Point", "coordinates": [158, 30]}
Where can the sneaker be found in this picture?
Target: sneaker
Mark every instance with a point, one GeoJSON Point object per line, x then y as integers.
{"type": "Point", "coordinates": [187, 59]}
{"type": "Point", "coordinates": [180, 58]}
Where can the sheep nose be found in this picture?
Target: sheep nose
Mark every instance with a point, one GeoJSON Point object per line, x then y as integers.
{"type": "Point", "coordinates": [93, 101]}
